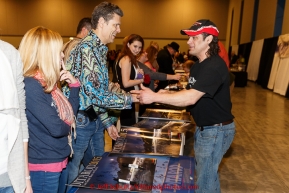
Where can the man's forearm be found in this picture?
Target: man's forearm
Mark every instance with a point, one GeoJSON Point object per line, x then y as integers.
{"type": "Point", "coordinates": [182, 98]}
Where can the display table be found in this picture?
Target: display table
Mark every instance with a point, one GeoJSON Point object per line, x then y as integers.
{"type": "Point", "coordinates": [240, 78]}
{"type": "Point", "coordinates": [147, 157]}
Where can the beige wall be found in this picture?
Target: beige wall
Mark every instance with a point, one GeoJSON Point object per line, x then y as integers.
{"type": "Point", "coordinates": [247, 21]}
{"type": "Point", "coordinates": [285, 27]}
{"type": "Point", "coordinates": [265, 20]}
{"type": "Point", "coordinates": [234, 5]}
{"type": "Point", "coordinates": [160, 20]}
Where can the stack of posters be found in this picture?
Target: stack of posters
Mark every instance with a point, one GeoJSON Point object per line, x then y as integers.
{"type": "Point", "coordinates": [166, 114]}
{"type": "Point", "coordinates": [118, 173]}
{"type": "Point", "coordinates": [165, 125]}
{"type": "Point", "coordinates": [150, 141]}
{"type": "Point", "coordinates": [147, 173]}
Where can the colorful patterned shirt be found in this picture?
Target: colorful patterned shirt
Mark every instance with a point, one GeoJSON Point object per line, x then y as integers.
{"type": "Point", "coordinates": [87, 62]}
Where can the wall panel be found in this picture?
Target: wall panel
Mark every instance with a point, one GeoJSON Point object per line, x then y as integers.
{"type": "Point", "coordinates": [152, 19]}
{"type": "Point", "coordinates": [285, 27]}
{"type": "Point", "coordinates": [247, 21]}
{"type": "Point", "coordinates": [266, 19]}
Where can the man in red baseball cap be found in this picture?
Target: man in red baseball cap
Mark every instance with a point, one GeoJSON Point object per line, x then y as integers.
{"type": "Point", "coordinates": [208, 97]}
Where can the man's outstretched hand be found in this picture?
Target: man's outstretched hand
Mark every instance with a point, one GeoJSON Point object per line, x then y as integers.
{"type": "Point", "coordinates": [145, 95]}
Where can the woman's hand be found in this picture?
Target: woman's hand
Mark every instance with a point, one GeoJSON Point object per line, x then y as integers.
{"type": "Point", "coordinates": [177, 76]}
{"type": "Point", "coordinates": [140, 71]}
{"type": "Point", "coordinates": [156, 83]}
{"type": "Point", "coordinates": [66, 75]}
{"type": "Point", "coordinates": [28, 186]}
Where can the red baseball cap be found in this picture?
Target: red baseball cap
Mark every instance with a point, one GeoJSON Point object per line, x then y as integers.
{"type": "Point", "coordinates": [201, 26]}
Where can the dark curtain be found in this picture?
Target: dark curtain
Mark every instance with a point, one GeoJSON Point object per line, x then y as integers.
{"type": "Point", "coordinates": [245, 50]}
{"type": "Point", "coordinates": [266, 60]}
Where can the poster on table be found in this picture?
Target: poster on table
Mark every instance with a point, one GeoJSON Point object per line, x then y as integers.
{"type": "Point", "coordinates": [155, 174]}
{"type": "Point", "coordinates": [166, 114]}
{"type": "Point", "coordinates": [148, 141]}
{"type": "Point", "coordinates": [164, 125]}
{"type": "Point", "coordinates": [118, 173]}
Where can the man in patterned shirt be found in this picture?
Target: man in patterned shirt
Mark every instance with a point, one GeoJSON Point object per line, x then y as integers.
{"type": "Point", "coordinates": [87, 62]}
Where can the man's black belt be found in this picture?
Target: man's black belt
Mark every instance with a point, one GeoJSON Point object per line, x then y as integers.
{"type": "Point", "coordinates": [90, 113]}
{"type": "Point", "coordinates": [218, 124]}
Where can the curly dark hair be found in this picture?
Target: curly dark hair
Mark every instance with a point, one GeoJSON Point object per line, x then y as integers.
{"type": "Point", "coordinates": [105, 10]}
{"type": "Point", "coordinates": [126, 51]}
{"type": "Point", "coordinates": [214, 47]}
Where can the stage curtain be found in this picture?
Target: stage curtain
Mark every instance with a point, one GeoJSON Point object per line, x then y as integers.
{"type": "Point", "coordinates": [279, 78]}
{"type": "Point", "coordinates": [266, 61]}
{"type": "Point", "coordinates": [254, 60]}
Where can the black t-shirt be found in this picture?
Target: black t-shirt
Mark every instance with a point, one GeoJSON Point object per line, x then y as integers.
{"type": "Point", "coordinates": [211, 77]}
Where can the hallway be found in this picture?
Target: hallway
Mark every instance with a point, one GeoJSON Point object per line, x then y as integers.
{"type": "Point", "coordinates": [258, 160]}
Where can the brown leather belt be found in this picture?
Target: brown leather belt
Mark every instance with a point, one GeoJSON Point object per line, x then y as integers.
{"type": "Point", "coordinates": [224, 123]}
{"type": "Point", "coordinates": [218, 124]}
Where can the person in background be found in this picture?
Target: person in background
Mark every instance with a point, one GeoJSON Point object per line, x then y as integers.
{"type": "Point", "coordinates": [224, 54]}
{"type": "Point", "coordinates": [154, 75]}
{"type": "Point", "coordinates": [208, 88]}
{"type": "Point", "coordinates": [187, 67]}
{"type": "Point", "coordinates": [155, 44]}
{"type": "Point", "coordinates": [128, 73]}
{"type": "Point", "coordinates": [185, 58]}
{"type": "Point", "coordinates": [87, 62]}
{"type": "Point", "coordinates": [234, 58]}
{"type": "Point", "coordinates": [50, 115]}
{"type": "Point", "coordinates": [83, 27]}
{"type": "Point", "coordinates": [14, 172]}
{"type": "Point", "coordinates": [179, 57]}
{"type": "Point", "coordinates": [151, 57]}
{"type": "Point", "coordinates": [165, 61]}
{"type": "Point", "coordinates": [241, 59]}
{"type": "Point", "coordinates": [111, 56]}
{"type": "Point", "coordinates": [155, 64]}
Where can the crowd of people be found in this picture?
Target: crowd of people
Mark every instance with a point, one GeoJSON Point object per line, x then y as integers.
{"type": "Point", "coordinates": [57, 99]}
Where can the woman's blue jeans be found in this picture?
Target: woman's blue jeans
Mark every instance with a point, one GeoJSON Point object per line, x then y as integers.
{"type": "Point", "coordinates": [44, 182]}
{"type": "Point", "coordinates": [8, 189]}
{"type": "Point", "coordinates": [210, 145]}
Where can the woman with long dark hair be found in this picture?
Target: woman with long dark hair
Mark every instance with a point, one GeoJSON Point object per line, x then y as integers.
{"type": "Point", "coordinates": [128, 73]}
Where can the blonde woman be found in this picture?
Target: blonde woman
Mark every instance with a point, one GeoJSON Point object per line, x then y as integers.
{"type": "Point", "coordinates": [50, 115]}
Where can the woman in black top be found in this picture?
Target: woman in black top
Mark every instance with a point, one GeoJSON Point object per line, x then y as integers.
{"type": "Point", "coordinates": [128, 73]}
